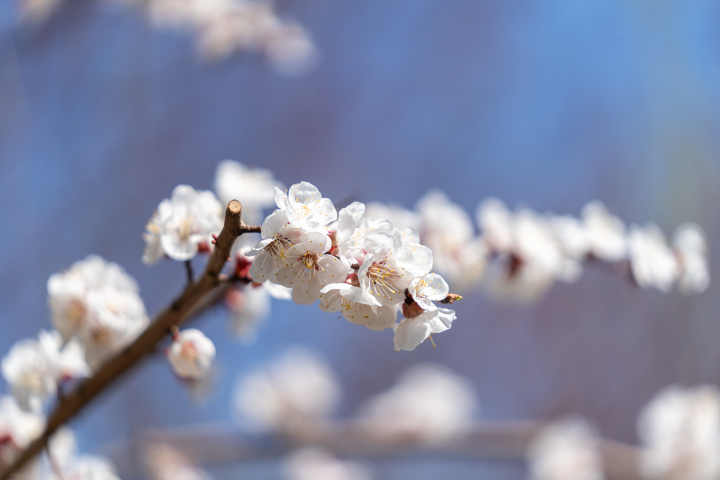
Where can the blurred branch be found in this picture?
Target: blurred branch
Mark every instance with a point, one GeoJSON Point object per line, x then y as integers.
{"type": "Point", "coordinates": [218, 444]}
{"type": "Point", "coordinates": [196, 297]}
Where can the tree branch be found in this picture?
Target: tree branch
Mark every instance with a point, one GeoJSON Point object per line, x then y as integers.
{"type": "Point", "coordinates": [219, 444]}
{"type": "Point", "coordinates": [189, 303]}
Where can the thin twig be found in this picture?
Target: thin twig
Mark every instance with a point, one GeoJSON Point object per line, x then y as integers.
{"type": "Point", "coordinates": [189, 303]}
{"type": "Point", "coordinates": [189, 270]}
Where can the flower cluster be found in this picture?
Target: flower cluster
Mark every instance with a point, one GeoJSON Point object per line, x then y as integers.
{"type": "Point", "coordinates": [365, 268]}
{"type": "Point", "coordinates": [519, 255]}
{"type": "Point", "coordinates": [221, 27]}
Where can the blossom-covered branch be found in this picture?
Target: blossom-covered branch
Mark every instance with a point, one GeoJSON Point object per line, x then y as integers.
{"type": "Point", "coordinates": [186, 305]}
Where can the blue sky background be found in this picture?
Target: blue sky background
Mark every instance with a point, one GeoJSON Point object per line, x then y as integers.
{"type": "Point", "coordinates": [544, 103]}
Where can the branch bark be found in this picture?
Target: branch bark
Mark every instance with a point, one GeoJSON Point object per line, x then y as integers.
{"type": "Point", "coordinates": [189, 303]}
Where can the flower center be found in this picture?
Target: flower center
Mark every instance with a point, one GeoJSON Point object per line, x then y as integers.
{"type": "Point", "coordinates": [382, 277]}
{"type": "Point", "coordinates": [277, 247]}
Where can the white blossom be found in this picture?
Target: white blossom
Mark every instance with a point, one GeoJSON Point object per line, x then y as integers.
{"type": "Point", "coordinates": [571, 236]}
{"type": "Point", "coordinates": [690, 245]}
{"type": "Point", "coordinates": [307, 270]}
{"type": "Point", "coordinates": [168, 463]}
{"type": "Point", "coordinates": [496, 224]}
{"type": "Point", "coordinates": [316, 464]}
{"type": "Point", "coordinates": [446, 228]}
{"type": "Point", "coordinates": [17, 429]}
{"type": "Point", "coordinates": [33, 368]}
{"type": "Point", "coordinates": [306, 208]}
{"type": "Point", "coordinates": [191, 354]}
{"type": "Point", "coordinates": [251, 305]}
{"type": "Point", "coordinates": [182, 223]}
{"type": "Point", "coordinates": [254, 188]}
{"type": "Point", "coordinates": [412, 331]}
{"type": "Point", "coordinates": [355, 235]}
{"type": "Point", "coordinates": [357, 306]}
{"type": "Point", "coordinates": [605, 232]}
{"type": "Point", "coordinates": [399, 216]}
{"type": "Point", "coordinates": [680, 431]}
{"type": "Point", "coordinates": [294, 388]}
{"type": "Point", "coordinates": [388, 270]}
{"type": "Point", "coordinates": [98, 302]}
{"type": "Point", "coordinates": [565, 450]}
{"type": "Point", "coordinates": [654, 265]}
{"type": "Point", "coordinates": [278, 234]}
{"type": "Point", "coordinates": [428, 403]}
{"type": "Point", "coordinates": [428, 288]}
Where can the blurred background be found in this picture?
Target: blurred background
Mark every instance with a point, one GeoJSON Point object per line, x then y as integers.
{"type": "Point", "coordinates": [548, 104]}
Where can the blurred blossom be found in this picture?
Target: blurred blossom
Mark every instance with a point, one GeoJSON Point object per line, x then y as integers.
{"type": "Point", "coordinates": [294, 389]}
{"type": "Point", "coordinates": [33, 368]}
{"type": "Point", "coordinates": [317, 464]}
{"type": "Point", "coordinates": [429, 404]}
{"type": "Point", "coordinates": [165, 462]}
{"type": "Point", "coordinates": [17, 429]}
{"type": "Point", "coordinates": [254, 188]}
{"type": "Point", "coordinates": [396, 214]}
{"type": "Point", "coordinates": [605, 232]}
{"type": "Point", "coordinates": [98, 302]}
{"type": "Point", "coordinates": [447, 230]}
{"type": "Point", "coordinates": [691, 247]}
{"type": "Point", "coordinates": [191, 354]}
{"type": "Point", "coordinates": [680, 430]}
{"type": "Point", "coordinates": [654, 264]}
{"type": "Point", "coordinates": [565, 450]}
{"type": "Point", "coordinates": [182, 225]}
{"type": "Point", "coordinates": [221, 28]}
{"type": "Point", "coordinates": [250, 305]}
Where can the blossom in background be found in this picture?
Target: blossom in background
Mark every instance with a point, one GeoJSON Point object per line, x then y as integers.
{"type": "Point", "coordinates": [317, 464]}
{"type": "Point", "coordinates": [680, 431]}
{"type": "Point", "coordinates": [221, 28]}
{"type": "Point", "coordinates": [250, 304]}
{"type": "Point", "coordinates": [33, 368]}
{"type": "Point", "coordinates": [605, 232]}
{"type": "Point", "coordinates": [191, 354]}
{"type": "Point", "coordinates": [653, 263]}
{"type": "Point", "coordinates": [182, 223]}
{"type": "Point", "coordinates": [690, 245]}
{"type": "Point", "coordinates": [17, 429]}
{"type": "Point", "coordinates": [165, 462]}
{"type": "Point", "coordinates": [99, 303]}
{"type": "Point", "coordinates": [395, 214]}
{"type": "Point", "coordinates": [295, 388]}
{"type": "Point", "coordinates": [565, 450]}
{"type": "Point", "coordinates": [254, 188]}
{"type": "Point", "coordinates": [447, 230]}
{"type": "Point", "coordinates": [67, 464]}
{"type": "Point", "coordinates": [429, 403]}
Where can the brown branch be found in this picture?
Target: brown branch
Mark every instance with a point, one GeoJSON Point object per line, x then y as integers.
{"type": "Point", "coordinates": [190, 302]}
{"type": "Point", "coordinates": [219, 444]}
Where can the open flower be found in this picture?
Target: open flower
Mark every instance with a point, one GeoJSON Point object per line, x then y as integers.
{"type": "Point", "coordinates": [357, 306]}
{"type": "Point", "coordinates": [355, 235]}
{"type": "Point", "coordinates": [305, 207]}
{"type": "Point", "coordinates": [278, 234]}
{"type": "Point", "coordinates": [412, 331]}
{"type": "Point", "coordinates": [17, 429]}
{"type": "Point", "coordinates": [428, 288]}
{"type": "Point", "coordinates": [182, 222]}
{"type": "Point", "coordinates": [191, 354]}
{"type": "Point", "coordinates": [307, 270]}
